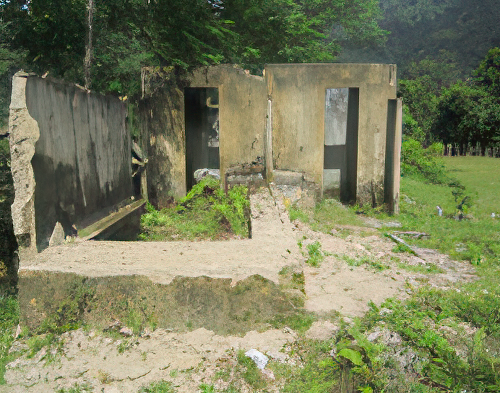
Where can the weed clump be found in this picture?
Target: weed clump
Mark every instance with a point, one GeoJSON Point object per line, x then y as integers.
{"type": "Point", "coordinates": [206, 212]}
{"type": "Point", "coordinates": [315, 254]}
{"type": "Point", "coordinates": [424, 163]}
{"type": "Point", "coordinates": [158, 387]}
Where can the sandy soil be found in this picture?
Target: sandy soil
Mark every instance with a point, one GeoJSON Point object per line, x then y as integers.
{"type": "Point", "coordinates": [110, 364]}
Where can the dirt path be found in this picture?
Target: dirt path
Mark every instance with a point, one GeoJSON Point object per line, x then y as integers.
{"type": "Point", "coordinates": [110, 364]}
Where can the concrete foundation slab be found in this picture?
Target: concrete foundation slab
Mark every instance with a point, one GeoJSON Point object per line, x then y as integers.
{"type": "Point", "coordinates": [206, 283]}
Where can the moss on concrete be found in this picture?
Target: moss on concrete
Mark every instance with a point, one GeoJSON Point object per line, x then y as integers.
{"type": "Point", "coordinates": [61, 301]}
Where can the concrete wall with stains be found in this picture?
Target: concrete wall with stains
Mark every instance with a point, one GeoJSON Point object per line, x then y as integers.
{"type": "Point", "coordinates": [281, 117]}
{"type": "Point", "coordinates": [242, 109]}
{"type": "Point", "coordinates": [297, 92]}
{"type": "Point", "coordinates": [71, 157]}
{"type": "Point", "coordinates": [162, 135]}
{"type": "Point", "coordinates": [242, 122]}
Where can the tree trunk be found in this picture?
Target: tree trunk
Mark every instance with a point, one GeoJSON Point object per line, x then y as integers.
{"type": "Point", "coordinates": [87, 62]}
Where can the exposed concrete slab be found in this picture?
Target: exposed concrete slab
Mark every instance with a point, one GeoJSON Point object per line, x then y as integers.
{"type": "Point", "coordinates": [272, 247]}
{"type": "Point", "coordinates": [226, 286]}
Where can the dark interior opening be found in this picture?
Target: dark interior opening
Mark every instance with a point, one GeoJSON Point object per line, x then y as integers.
{"type": "Point", "coordinates": [341, 143]}
{"type": "Point", "coordinates": [202, 130]}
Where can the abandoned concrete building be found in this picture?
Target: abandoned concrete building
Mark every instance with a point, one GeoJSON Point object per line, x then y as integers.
{"type": "Point", "coordinates": [333, 129]}
{"type": "Point", "coordinates": [318, 129]}
{"type": "Point", "coordinates": [333, 126]}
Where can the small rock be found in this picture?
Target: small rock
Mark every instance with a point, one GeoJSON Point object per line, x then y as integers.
{"type": "Point", "coordinates": [258, 357]}
{"type": "Point", "coordinates": [278, 356]}
{"type": "Point", "coordinates": [57, 238]}
{"type": "Point", "coordinates": [18, 331]}
{"type": "Point", "coordinates": [115, 325]}
{"type": "Point", "coordinates": [125, 331]}
{"type": "Point", "coordinates": [204, 172]}
{"type": "Point", "coordinates": [385, 311]}
{"type": "Point", "coordinates": [448, 330]}
{"type": "Point", "coordinates": [322, 330]}
{"type": "Point", "coordinates": [408, 200]}
{"type": "Point", "coordinates": [146, 333]}
{"type": "Point", "coordinates": [373, 336]}
{"type": "Point", "coordinates": [385, 337]}
{"type": "Point", "coordinates": [392, 224]}
{"type": "Point", "coordinates": [405, 358]}
{"type": "Point", "coordinates": [268, 374]}
{"type": "Point", "coordinates": [347, 320]}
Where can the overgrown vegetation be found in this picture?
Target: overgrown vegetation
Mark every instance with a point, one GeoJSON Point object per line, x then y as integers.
{"type": "Point", "coordinates": [9, 317]}
{"type": "Point", "coordinates": [424, 163]}
{"type": "Point", "coordinates": [440, 107]}
{"type": "Point", "coordinates": [447, 339]}
{"type": "Point", "coordinates": [206, 212]}
{"type": "Point", "coordinates": [7, 239]}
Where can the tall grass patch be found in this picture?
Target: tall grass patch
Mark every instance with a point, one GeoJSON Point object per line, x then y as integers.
{"type": "Point", "coordinates": [206, 212]}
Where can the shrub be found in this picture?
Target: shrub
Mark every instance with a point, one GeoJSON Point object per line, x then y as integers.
{"type": "Point", "coordinates": [423, 163]}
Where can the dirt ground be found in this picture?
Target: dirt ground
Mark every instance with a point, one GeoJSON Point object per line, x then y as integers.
{"type": "Point", "coordinates": [337, 287]}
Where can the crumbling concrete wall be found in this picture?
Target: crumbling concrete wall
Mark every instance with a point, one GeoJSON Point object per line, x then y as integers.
{"type": "Point", "coordinates": [297, 93]}
{"type": "Point", "coordinates": [162, 134]}
{"type": "Point", "coordinates": [242, 109]}
{"type": "Point", "coordinates": [242, 122]}
{"type": "Point", "coordinates": [279, 120]}
{"type": "Point", "coordinates": [71, 158]}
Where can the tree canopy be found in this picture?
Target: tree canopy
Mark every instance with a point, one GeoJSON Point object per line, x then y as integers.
{"type": "Point", "coordinates": [128, 34]}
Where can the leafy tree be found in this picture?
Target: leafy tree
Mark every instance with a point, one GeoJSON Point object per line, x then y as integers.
{"type": "Point", "coordinates": [9, 58]}
{"type": "Point", "coordinates": [284, 31]}
{"type": "Point", "coordinates": [52, 32]}
{"type": "Point", "coordinates": [467, 115]}
{"type": "Point", "coordinates": [421, 88]}
{"type": "Point", "coordinates": [128, 34]}
{"type": "Point", "coordinates": [488, 72]}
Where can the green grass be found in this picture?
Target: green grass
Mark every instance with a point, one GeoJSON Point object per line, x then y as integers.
{"type": "Point", "coordinates": [314, 254]}
{"type": "Point", "coordinates": [205, 213]}
{"type": "Point", "coordinates": [326, 215]}
{"type": "Point", "coordinates": [476, 239]}
{"type": "Point", "coordinates": [249, 371]}
{"type": "Point", "coordinates": [9, 318]}
{"type": "Point", "coordinates": [471, 310]}
{"type": "Point", "coordinates": [157, 387]}
{"type": "Point", "coordinates": [366, 261]}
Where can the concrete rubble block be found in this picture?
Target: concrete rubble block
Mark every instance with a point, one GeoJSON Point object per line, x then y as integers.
{"type": "Point", "coordinates": [57, 237]}
{"type": "Point", "coordinates": [24, 133]}
{"type": "Point", "coordinates": [258, 358]}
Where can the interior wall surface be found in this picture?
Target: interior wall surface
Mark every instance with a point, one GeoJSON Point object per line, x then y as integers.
{"type": "Point", "coordinates": [297, 92]}
{"type": "Point", "coordinates": [163, 138]}
{"type": "Point", "coordinates": [80, 155]}
{"type": "Point", "coordinates": [242, 112]}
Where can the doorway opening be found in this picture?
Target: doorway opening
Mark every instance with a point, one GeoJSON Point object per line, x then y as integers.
{"type": "Point", "coordinates": [341, 143]}
{"type": "Point", "coordinates": [202, 130]}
